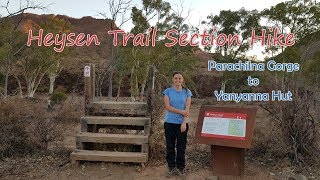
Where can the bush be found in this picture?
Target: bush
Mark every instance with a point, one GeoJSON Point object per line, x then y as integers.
{"type": "Point", "coordinates": [71, 110]}
{"type": "Point", "coordinates": [46, 131]}
{"type": "Point", "coordinates": [24, 132]}
{"type": "Point", "coordinates": [61, 89]}
{"type": "Point", "coordinates": [58, 97]}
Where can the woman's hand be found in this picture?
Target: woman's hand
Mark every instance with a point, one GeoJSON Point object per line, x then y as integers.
{"type": "Point", "coordinates": [188, 113]}
{"type": "Point", "coordinates": [185, 113]}
{"type": "Point", "coordinates": [183, 127]}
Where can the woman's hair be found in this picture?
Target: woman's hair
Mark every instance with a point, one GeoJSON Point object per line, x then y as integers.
{"type": "Point", "coordinates": [178, 72]}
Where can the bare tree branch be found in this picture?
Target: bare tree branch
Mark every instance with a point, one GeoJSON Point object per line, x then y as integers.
{"type": "Point", "coordinates": [23, 7]}
{"type": "Point", "coordinates": [117, 9]}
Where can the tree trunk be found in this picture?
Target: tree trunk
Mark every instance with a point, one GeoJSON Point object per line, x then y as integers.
{"type": "Point", "coordinates": [99, 84]}
{"type": "Point", "coordinates": [30, 92]}
{"type": "Point", "coordinates": [136, 87]}
{"type": "Point", "coordinates": [52, 80]}
{"type": "Point", "coordinates": [8, 64]}
{"type": "Point", "coordinates": [110, 83]}
{"type": "Point", "coordinates": [32, 85]}
{"type": "Point", "coordinates": [143, 86]}
{"type": "Point", "coordinates": [196, 92]}
{"type": "Point", "coordinates": [132, 84]}
{"type": "Point", "coordinates": [142, 91]}
{"type": "Point", "coordinates": [5, 93]}
{"type": "Point", "coordinates": [20, 87]}
{"type": "Point", "coordinates": [119, 88]}
{"type": "Point", "coordinates": [223, 86]}
{"type": "Point", "coordinates": [30, 88]}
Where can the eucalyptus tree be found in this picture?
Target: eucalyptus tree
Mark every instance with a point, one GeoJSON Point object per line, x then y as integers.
{"type": "Point", "coordinates": [239, 24]}
{"type": "Point", "coordinates": [9, 29]}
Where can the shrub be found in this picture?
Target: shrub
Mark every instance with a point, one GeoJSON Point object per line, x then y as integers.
{"type": "Point", "coordinates": [71, 110]}
{"type": "Point", "coordinates": [23, 131]}
{"type": "Point", "coordinates": [46, 131]}
{"type": "Point", "coordinates": [61, 89]}
{"type": "Point", "coordinates": [58, 97]}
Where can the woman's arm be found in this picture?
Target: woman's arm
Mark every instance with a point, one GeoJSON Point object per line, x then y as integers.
{"type": "Point", "coordinates": [184, 123]}
{"type": "Point", "coordinates": [188, 104]}
{"type": "Point", "coordinates": [172, 109]}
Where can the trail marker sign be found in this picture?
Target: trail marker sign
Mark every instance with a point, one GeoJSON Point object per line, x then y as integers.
{"type": "Point", "coordinates": [229, 131]}
{"type": "Point", "coordinates": [87, 71]}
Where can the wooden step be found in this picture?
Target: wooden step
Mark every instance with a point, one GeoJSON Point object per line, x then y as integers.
{"type": "Point", "coordinates": [106, 120]}
{"type": "Point", "coordinates": [111, 138]}
{"type": "Point", "coordinates": [107, 156]}
{"type": "Point", "coordinates": [118, 105]}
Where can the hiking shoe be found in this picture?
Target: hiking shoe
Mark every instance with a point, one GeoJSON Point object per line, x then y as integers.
{"type": "Point", "coordinates": [170, 172]}
{"type": "Point", "coordinates": [182, 173]}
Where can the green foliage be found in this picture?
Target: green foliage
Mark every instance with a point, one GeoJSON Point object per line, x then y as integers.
{"type": "Point", "coordinates": [134, 62]}
{"type": "Point", "coordinates": [61, 89]}
{"type": "Point", "coordinates": [58, 97]}
{"type": "Point", "coordinates": [7, 37]}
{"type": "Point", "coordinates": [240, 23]}
{"type": "Point", "coordinates": [139, 21]}
{"type": "Point", "coordinates": [6, 28]}
{"type": "Point", "coordinates": [55, 25]}
{"type": "Point", "coordinates": [2, 79]}
{"type": "Point", "coordinates": [302, 17]}
{"type": "Point", "coordinates": [311, 70]}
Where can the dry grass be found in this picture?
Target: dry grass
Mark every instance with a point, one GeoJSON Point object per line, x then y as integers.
{"type": "Point", "coordinates": [27, 126]}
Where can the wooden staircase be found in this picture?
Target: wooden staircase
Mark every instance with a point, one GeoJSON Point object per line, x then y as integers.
{"type": "Point", "coordinates": [113, 132]}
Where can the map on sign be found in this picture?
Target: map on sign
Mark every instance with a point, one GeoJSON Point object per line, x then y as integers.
{"type": "Point", "coordinates": [224, 125]}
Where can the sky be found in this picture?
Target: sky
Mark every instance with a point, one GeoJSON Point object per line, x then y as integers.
{"type": "Point", "coordinates": [199, 9]}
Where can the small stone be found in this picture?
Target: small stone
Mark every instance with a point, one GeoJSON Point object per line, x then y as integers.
{"type": "Point", "coordinates": [298, 177]}
{"type": "Point", "coordinates": [212, 178]}
{"type": "Point", "coordinates": [272, 174]}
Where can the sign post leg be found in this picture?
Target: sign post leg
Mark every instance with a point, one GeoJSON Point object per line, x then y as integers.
{"type": "Point", "coordinates": [227, 160]}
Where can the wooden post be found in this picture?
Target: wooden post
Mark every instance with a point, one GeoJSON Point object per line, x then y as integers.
{"type": "Point", "coordinates": [93, 81]}
{"type": "Point", "coordinates": [150, 91]}
{"type": "Point", "coordinates": [150, 101]}
{"type": "Point", "coordinates": [89, 83]}
{"type": "Point", "coordinates": [227, 160]}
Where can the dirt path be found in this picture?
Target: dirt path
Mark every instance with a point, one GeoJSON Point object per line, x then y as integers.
{"type": "Point", "coordinates": [198, 167]}
{"type": "Point", "coordinates": [121, 171]}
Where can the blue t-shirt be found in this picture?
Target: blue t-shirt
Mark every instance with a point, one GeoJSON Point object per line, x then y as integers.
{"type": "Point", "coordinates": [178, 100]}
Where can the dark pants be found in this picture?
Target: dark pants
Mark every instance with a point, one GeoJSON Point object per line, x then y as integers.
{"type": "Point", "coordinates": [175, 139]}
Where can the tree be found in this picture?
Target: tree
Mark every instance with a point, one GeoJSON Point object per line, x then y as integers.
{"type": "Point", "coordinates": [32, 63]}
{"type": "Point", "coordinates": [9, 48]}
{"type": "Point", "coordinates": [295, 118]}
{"type": "Point", "coordinates": [5, 48]}
{"type": "Point", "coordinates": [239, 23]}
{"type": "Point", "coordinates": [55, 25]}
{"type": "Point", "coordinates": [140, 56]}
{"type": "Point", "coordinates": [163, 58]}
{"type": "Point", "coordinates": [117, 10]}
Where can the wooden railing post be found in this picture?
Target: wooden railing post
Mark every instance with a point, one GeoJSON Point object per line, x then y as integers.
{"type": "Point", "coordinates": [89, 84]}
{"type": "Point", "coordinates": [150, 91]}
{"type": "Point", "coordinates": [93, 81]}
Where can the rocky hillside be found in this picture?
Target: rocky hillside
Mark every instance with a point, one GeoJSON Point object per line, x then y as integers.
{"type": "Point", "coordinates": [78, 55]}
{"type": "Point", "coordinates": [74, 61]}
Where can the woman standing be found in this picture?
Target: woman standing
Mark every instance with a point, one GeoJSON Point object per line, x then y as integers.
{"type": "Point", "coordinates": [177, 100]}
